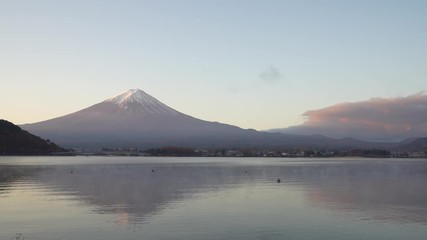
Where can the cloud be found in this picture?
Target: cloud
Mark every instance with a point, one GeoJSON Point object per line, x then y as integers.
{"type": "Point", "coordinates": [378, 119]}
{"type": "Point", "coordinates": [271, 75]}
{"type": "Point", "coordinates": [268, 77]}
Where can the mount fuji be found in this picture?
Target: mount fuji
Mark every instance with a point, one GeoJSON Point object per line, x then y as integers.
{"type": "Point", "coordinates": [136, 119]}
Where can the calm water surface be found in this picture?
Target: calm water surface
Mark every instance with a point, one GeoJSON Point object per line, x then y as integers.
{"type": "Point", "coordinates": [212, 198]}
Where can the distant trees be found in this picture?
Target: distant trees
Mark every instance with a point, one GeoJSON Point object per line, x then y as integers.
{"type": "Point", "coordinates": [369, 153]}
{"type": "Point", "coordinates": [171, 151]}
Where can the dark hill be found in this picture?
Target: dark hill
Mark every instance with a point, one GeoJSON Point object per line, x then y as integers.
{"type": "Point", "coordinates": [417, 145]}
{"type": "Point", "coordinates": [15, 141]}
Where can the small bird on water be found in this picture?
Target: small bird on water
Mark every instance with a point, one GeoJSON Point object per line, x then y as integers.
{"type": "Point", "coordinates": [278, 180]}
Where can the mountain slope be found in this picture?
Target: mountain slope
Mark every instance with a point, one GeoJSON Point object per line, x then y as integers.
{"type": "Point", "coordinates": [133, 118]}
{"type": "Point", "coordinates": [15, 141]}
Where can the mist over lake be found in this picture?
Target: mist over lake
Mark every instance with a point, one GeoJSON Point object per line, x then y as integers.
{"type": "Point", "coordinates": [212, 198]}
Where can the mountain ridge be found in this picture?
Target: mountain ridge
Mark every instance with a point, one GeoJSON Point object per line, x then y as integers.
{"type": "Point", "coordinates": [138, 120]}
{"type": "Point", "coordinates": [131, 117]}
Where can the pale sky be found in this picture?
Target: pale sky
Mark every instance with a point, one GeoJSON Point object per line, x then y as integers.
{"type": "Point", "coordinates": [252, 63]}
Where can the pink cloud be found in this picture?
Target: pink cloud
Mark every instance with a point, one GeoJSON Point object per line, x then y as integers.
{"type": "Point", "coordinates": [375, 119]}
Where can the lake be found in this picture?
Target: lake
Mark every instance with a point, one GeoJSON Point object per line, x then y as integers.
{"type": "Point", "coordinates": [212, 198]}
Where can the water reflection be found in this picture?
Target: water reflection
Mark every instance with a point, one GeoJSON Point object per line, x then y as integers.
{"type": "Point", "coordinates": [135, 192]}
{"type": "Point", "coordinates": [384, 190]}
{"type": "Point", "coordinates": [11, 174]}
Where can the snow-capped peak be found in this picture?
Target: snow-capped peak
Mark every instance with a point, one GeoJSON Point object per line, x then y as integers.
{"type": "Point", "coordinates": [131, 95]}
{"type": "Point", "coordinates": [136, 100]}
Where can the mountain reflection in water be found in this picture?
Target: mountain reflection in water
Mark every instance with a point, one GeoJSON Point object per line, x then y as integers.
{"type": "Point", "coordinates": [142, 189]}
{"type": "Point", "coordinates": [136, 189]}
{"type": "Point", "coordinates": [389, 191]}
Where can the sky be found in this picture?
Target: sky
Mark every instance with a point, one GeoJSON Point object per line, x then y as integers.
{"type": "Point", "coordinates": [252, 63]}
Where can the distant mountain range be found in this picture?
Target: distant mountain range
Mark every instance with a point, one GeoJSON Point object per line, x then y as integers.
{"type": "Point", "coordinates": [15, 141]}
{"type": "Point", "coordinates": [134, 119]}
{"type": "Point", "coordinates": [377, 119]}
{"type": "Point", "coordinates": [415, 145]}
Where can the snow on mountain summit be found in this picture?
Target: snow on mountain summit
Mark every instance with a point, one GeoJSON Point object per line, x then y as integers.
{"type": "Point", "coordinates": [132, 95]}
{"type": "Point", "coordinates": [136, 100]}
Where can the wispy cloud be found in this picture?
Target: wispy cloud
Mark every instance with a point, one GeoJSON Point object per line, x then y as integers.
{"type": "Point", "coordinates": [375, 119]}
{"type": "Point", "coordinates": [271, 75]}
